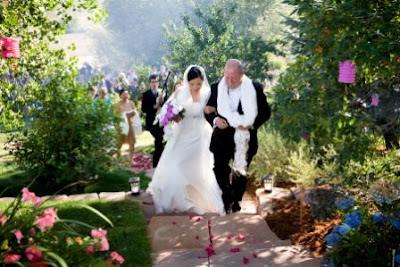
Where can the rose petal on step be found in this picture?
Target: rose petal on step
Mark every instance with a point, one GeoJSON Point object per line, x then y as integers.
{"type": "Point", "coordinates": [255, 255]}
{"type": "Point", "coordinates": [174, 223]}
{"type": "Point", "coordinates": [197, 237]}
{"type": "Point", "coordinates": [191, 217]}
{"type": "Point", "coordinates": [211, 237]}
{"type": "Point", "coordinates": [198, 219]}
{"type": "Point", "coordinates": [230, 236]}
{"type": "Point", "coordinates": [241, 236]}
{"type": "Point", "coordinates": [234, 250]}
{"type": "Point", "coordinates": [246, 260]}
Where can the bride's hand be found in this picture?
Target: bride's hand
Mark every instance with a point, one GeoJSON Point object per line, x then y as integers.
{"type": "Point", "coordinates": [209, 110]}
{"type": "Point", "coordinates": [177, 118]}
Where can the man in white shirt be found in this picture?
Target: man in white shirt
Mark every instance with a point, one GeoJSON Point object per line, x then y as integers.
{"type": "Point", "coordinates": [240, 106]}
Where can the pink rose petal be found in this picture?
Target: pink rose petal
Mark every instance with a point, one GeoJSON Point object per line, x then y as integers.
{"type": "Point", "coordinates": [230, 236]}
{"type": "Point", "coordinates": [245, 260]}
{"type": "Point", "coordinates": [234, 250]}
{"type": "Point", "coordinates": [255, 255]}
{"type": "Point", "coordinates": [241, 236]}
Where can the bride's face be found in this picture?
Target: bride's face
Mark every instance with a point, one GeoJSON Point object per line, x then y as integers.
{"type": "Point", "coordinates": [195, 84]}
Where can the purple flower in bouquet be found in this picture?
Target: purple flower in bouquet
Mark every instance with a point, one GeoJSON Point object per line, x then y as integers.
{"type": "Point", "coordinates": [169, 112]}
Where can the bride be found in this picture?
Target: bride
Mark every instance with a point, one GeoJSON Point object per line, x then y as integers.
{"type": "Point", "coordinates": [184, 180]}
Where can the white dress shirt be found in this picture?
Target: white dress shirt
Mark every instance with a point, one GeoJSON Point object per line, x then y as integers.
{"type": "Point", "coordinates": [234, 95]}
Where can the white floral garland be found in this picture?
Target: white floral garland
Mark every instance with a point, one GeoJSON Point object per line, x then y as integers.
{"type": "Point", "coordinates": [248, 100]}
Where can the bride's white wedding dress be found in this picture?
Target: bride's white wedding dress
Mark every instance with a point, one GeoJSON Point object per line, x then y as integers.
{"type": "Point", "coordinates": [184, 179]}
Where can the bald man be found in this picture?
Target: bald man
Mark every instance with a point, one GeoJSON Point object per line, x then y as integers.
{"type": "Point", "coordinates": [240, 108]}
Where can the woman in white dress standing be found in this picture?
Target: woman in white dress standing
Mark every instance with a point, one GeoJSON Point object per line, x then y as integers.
{"type": "Point", "coordinates": [184, 179]}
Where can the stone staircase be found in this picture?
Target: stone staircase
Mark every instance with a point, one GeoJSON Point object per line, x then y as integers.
{"type": "Point", "coordinates": [242, 238]}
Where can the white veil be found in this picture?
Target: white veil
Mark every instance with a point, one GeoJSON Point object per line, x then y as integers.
{"type": "Point", "coordinates": [183, 97]}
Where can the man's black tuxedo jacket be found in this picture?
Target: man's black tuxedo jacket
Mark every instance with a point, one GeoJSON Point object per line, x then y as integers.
{"type": "Point", "coordinates": [148, 101]}
{"type": "Point", "coordinates": [225, 136]}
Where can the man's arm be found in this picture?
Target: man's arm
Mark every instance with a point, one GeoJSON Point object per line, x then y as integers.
{"type": "Point", "coordinates": [264, 111]}
{"type": "Point", "coordinates": [212, 102]}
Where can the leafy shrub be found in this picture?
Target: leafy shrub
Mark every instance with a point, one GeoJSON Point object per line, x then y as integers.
{"type": "Point", "coordinates": [70, 139]}
{"type": "Point", "coordinates": [369, 234]}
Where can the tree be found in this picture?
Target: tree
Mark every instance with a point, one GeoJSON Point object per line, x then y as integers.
{"type": "Point", "coordinates": [311, 100]}
{"type": "Point", "coordinates": [212, 37]}
{"type": "Point", "coordinates": [37, 25]}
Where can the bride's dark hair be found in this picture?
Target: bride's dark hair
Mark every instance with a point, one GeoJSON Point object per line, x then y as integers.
{"type": "Point", "coordinates": [194, 73]}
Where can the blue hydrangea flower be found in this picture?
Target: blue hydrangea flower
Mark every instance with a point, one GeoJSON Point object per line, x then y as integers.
{"type": "Point", "coordinates": [332, 239]}
{"type": "Point", "coordinates": [397, 258]}
{"type": "Point", "coordinates": [378, 217]}
{"type": "Point", "coordinates": [395, 222]}
{"type": "Point", "coordinates": [342, 229]}
{"type": "Point", "coordinates": [344, 203]}
{"type": "Point", "coordinates": [353, 219]}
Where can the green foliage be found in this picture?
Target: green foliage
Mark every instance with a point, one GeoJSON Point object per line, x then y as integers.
{"type": "Point", "coordinates": [376, 166]}
{"type": "Point", "coordinates": [69, 139]}
{"type": "Point", "coordinates": [293, 162]}
{"type": "Point", "coordinates": [310, 99]}
{"type": "Point", "coordinates": [37, 25]}
{"type": "Point", "coordinates": [211, 38]}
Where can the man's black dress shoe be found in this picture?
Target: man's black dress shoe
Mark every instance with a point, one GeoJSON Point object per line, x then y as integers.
{"type": "Point", "coordinates": [236, 207]}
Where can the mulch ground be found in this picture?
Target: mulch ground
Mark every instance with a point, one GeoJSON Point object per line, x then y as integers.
{"type": "Point", "coordinates": [292, 219]}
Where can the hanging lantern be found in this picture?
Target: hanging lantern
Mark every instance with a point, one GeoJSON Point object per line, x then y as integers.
{"type": "Point", "coordinates": [10, 47]}
{"type": "Point", "coordinates": [135, 185]}
{"type": "Point", "coordinates": [347, 72]}
{"type": "Point", "coordinates": [268, 182]}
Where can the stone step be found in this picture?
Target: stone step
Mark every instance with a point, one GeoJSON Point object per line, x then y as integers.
{"type": "Point", "coordinates": [257, 254]}
{"type": "Point", "coordinates": [181, 258]}
{"type": "Point", "coordinates": [260, 255]}
{"type": "Point", "coordinates": [177, 232]}
{"type": "Point", "coordinates": [237, 229]}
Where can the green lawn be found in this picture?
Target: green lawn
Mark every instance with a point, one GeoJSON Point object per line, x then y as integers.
{"type": "Point", "coordinates": [129, 234]}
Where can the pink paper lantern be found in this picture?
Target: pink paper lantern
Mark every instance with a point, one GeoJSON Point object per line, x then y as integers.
{"type": "Point", "coordinates": [10, 47]}
{"type": "Point", "coordinates": [347, 72]}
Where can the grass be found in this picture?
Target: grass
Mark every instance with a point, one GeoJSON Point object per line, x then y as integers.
{"type": "Point", "coordinates": [128, 236]}
{"type": "Point", "coordinates": [116, 181]}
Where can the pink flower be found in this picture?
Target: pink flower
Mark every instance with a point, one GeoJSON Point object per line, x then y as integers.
{"type": "Point", "coordinates": [234, 250]}
{"type": "Point", "coordinates": [375, 100]}
{"type": "Point", "coordinates": [3, 218]}
{"type": "Point", "coordinates": [347, 72]}
{"type": "Point", "coordinates": [33, 254]}
{"type": "Point", "coordinates": [48, 219]}
{"type": "Point", "coordinates": [18, 235]}
{"type": "Point", "coordinates": [98, 233]}
{"type": "Point", "coordinates": [104, 246]}
{"type": "Point", "coordinates": [11, 258]}
{"type": "Point", "coordinates": [90, 249]}
{"type": "Point", "coordinates": [108, 262]}
{"type": "Point", "coordinates": [117, 258]}
{"type": "Point", "coordinates": [245, 260]}
{"type": "Point", "coordinates": [27, 195]}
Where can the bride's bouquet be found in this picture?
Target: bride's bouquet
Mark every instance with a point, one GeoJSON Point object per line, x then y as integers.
{"type": "Point", "coordinates": [169, 111]}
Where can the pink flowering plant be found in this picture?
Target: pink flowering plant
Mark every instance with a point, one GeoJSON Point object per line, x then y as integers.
{"type": "Point", "coordinates": [370, 228]}
{"type": "Point", "coordinates": [32, 234]}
